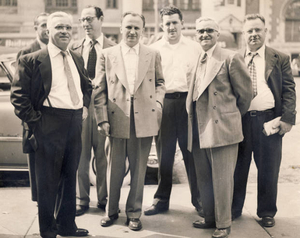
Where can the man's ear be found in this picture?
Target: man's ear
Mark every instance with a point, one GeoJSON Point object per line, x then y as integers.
{"type": "Point", "coordinates": [182, 22]}
{"type": "Point", "coordinates": [35, 28]}
{"type": "Point", "coordinates": [161, 26]}
{"type": "Point", "coordinates": [101, 18]}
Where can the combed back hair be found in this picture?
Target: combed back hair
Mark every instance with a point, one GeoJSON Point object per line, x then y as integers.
{"type": "Point", "coordinates": [58, 14]}
{"type": "Point", "coordinates": [200, 19]}
{"type": "Point", "coordinates": [36, 19]}
{"type": "Point", "coordinates": [134, 14]}
{"type": "Point", "coordinates": [98, 10]}
{"type": "Point", "coordinates": [170, 10]}
{"type": "Point", "coordinates": [253, 17]}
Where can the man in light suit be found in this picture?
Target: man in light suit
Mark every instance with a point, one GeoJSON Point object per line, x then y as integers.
{"type": "Point", "coordinates": [90, 47]}
{"type": "Point", "coordinates": [218, 97]}
{"type": "Point", "coordinates": [40, 27]}
{"type": "Point", "coordinates": [51, 93]}
{"type": "Point", "coordinates": [275, 98]}
{"type": "Point", "coordinates": [128, 106]}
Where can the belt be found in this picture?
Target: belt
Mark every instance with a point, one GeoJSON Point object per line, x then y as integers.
{"type": "Point", "coordinates": [175, 95]}
{"type": "Point", "coordinates": [255, 113]}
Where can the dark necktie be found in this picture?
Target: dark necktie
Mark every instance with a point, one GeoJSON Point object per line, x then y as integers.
{"type": "Point", "coordinates": [200, 73]}
{"type": "Point", "coordinates": [91, 65]}
{"type": "Point", "coordinates": [71, 85]}
{"type": "Point", "coordinates": [252, 72]}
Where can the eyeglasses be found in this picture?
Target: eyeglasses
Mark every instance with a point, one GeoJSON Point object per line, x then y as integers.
{"type": "Point", "coordinates": [208, 30]}
{"type": "Point", "coordinates": [88, 19]}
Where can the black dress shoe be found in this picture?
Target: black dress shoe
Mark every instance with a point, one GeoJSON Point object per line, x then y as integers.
{"type": "Point", "coordinates": [155, 209]}
{"type": "Point", "coordinates": [134, 224]}
{"type": "Point", "coordinates": [268, 221]}
{"type": "Point", "coordinates": [78, 232]}
{"type": "Point", "coordinates": [221, 233]}
{"type": "Point", "coordinates": [101, 206]}
{"type": "Point", "coordinates": [204, 225]}
{"type": "Point", "coordinates": [81, 209]}
{"type": "Point", "coordinates": [108, 221]}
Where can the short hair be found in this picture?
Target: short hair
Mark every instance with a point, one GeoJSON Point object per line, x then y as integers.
{"type": "Point", "coordinates": [58, 14]}
{"type": "Point", "coordinates": [36, 19]}
{"type": "Point", "coordinates": [170, 10]}
{"type": "Point", "coordinates": [134, 14]}
{"type": "Point", "coordinates": [200, 19]}
{"type": "Point", "coordinates": [253, 17]}
{"type": "Point", "coordinates": [98, 10]}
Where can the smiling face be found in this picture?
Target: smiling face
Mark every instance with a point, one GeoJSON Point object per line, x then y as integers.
{"type": "Point", "coordinates": [91, 24]}
{"type": "Point", "coordinates": [255, 33]}
{"type": "Point", "coordinates": [172, 25]}
{"type": "Point", "coordinates": [207, 34]}
{"type": "Point", "coordinates": [41, 29]}
{"type": "Point", "coordinates": [60, 31]}
{"type": "Point", "coordinates": [131, 29]}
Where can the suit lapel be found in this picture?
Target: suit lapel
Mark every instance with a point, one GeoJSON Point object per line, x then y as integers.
{"type": "Point", "coordinates": [143, 66]}
{"type": "Point", "coordinates": [45, 69]}
{"type": "Point", "coordinates": [271, 60]}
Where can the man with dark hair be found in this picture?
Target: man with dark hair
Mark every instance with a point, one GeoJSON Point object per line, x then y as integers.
{"type": "Point", "coordinates": [179, 57]}
{"type": "Point", "coordinates": [51, 93]}
{"type": "Point", "coordinates": [274, 102]}
{"type": "Point", "coordinates": [40, 27]}
{"type": "Point", "coordinates": [90, 47]}
{"type": "Point", "coordinates": [128, 106]}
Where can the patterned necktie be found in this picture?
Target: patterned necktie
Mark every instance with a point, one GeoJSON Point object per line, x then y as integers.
{"type": "Point", "coordinates": [91, 65]}
{"type": "Point", "coordinates": [200, 73]}
{"type": "Point", "coordinates": [71, 85]}
{"type": "Point", "coordinates": [252, 72]}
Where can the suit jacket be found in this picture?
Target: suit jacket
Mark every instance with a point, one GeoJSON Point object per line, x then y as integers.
{"type": "Point", "coordinates": [34, 46]}
{"type": "Point", "coordinates": [280, 80]}
{"type": "Point", "coordinates": [112, 98]}
{"type": "Point", "coordinates": [32, 83]}
{"type": "Point", "coordinates": [225, 95]}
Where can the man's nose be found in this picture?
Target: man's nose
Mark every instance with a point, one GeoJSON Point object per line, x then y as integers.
{"type": "Point", "coordinates": [172, 26]}
{"type": "Point", "coordinates": [132, 31]}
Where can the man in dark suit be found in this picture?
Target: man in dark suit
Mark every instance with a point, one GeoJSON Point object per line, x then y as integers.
{"type": "Point", "coordinates": [90, 47]}
{"type": "Point", "coordinates": [40, 27]}
{"type": "Point", "coordinates": [128, 106]}
{"type": "Point", "coordinates": [51, 93]}
{"type": "Point", "coordinates": [274, 97]}
{"type": "Point", "coordinates": [217, 98]}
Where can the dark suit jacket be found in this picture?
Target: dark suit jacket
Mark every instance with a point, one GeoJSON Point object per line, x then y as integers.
{"type": "Point", "coordinates": [278, 74]}
{"type": "Point", "coordinates": [34, 46]}
{"type": "Point", "coordinates": [32, 83]}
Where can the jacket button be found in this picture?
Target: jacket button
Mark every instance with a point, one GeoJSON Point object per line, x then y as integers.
{"type": "Point", "coordinates": [136, 112]}
{"type": "Point", "coordinates": [216, 121]}
{"type": "Point", "coordinates": [215, 93]}
{"type": "Point", "coordinates": [150, 96]}
{"type": "Point", "coordinates": [127, 99]}
{"type": "Point", "coordinates": [112, 112]}
{"type": "Point", "coordinates": [153, 110]}
{"type": "Point", "coordinates": [214, 107]}
{"type": "Point", "coordinates": [150, 80]}
{"type": "Point", "coordinates": [114, 99]}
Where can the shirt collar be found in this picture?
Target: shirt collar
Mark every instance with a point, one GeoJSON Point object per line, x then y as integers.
{"type": "Point", "coordinates": [99, 39]}
{"type": "Point", "coordinates": [125, 48]}
{"type": "Point", "coordinates": [210, 51]}
{"type": "Point", "coordinates": [54, 50]}
{"type": "Point", "coordinates": [42, 44]}
{"type": "Point", "coordinates": [260, 51]}
{"type": "Point", "coordinates": [182, 40]}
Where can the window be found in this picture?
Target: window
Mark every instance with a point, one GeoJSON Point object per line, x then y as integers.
{"type": "Point", "coordinates": [69, 6]}
{"type": "Point", "coordinates": [187, 4]}
{"type": "Point", "coordinates": [239, 3]}
{"type": "Point", "coordinates": [230, 2]}
{"type": "Point", "coordinates": [292, 22]}
{"type": "Point", "coordinates": [111, 4]}
{"type": "Point", "coordinates": [8, 3]}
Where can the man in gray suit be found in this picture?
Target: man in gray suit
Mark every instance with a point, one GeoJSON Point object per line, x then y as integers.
{"type": "Point", "coordinates": [90, 47]}
{"type": "Point", "coordinates": [218, 97]}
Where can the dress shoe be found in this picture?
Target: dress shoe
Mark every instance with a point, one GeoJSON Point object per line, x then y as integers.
{"type": "Point", "coordinates": [204, 225]}
{"type": "Point", "coordinates": [221, 233]}
{"type": "Point", "coordinates": [108, 221]}
{"type": "Point", "coordinates": [77, 232]}
{"type": "Point", "coordinates": [155, 209]}
{"type": "Point", "coordinates": [268, 221]}
{"type": "Point", "coordinates": [101, 206]}
{"type": "Point", "coordinates": [81, 209]}
{"type": "Point", "coordinates": [134, 224]}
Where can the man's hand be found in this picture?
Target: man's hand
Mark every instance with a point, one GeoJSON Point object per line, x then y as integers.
{"type": "Point", "coordinates": [284, 127]}
{"type": "Point", "coordinates": [104, 128]}
{"type": "Point", "coordinates": [85, 113]}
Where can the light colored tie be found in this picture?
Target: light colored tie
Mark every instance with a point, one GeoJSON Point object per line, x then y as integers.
{"type": "Point", "coordinates": [131, 69]}
{"type": "Point", "coordinates": [91, 64]}
{"type": "Point", "coordinates": [252, 72]}
{"type": "Point", "coordinates": [71, 85]}
{"type": "Point", "coordinates": [200, 73]}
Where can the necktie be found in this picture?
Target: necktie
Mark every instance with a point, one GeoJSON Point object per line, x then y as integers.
{"type": "Point", "coordinates": [71, 85]}
{"type": "Point", "coordinates": [200, 73]}
{"type": "Point", "coordinates": [252, 72]}
{"type": "Point", "coordinates": [91, 65]}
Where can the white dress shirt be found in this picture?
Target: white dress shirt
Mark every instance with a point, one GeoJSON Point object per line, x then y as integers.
{"type": "Point", "coordinates": [178, 62]}
{"type": "Point", "coordinates": [131, 59]}
{"type": "Point", "coordinates": [264, 99]}
{"type": "Point", "coordinates": [59, 95]}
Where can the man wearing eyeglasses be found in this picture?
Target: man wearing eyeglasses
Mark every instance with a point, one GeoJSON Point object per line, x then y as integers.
{"type": "Point", "coordinates": [90, 48]}
{"type": "Point", "coordinates": [218, 97]}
